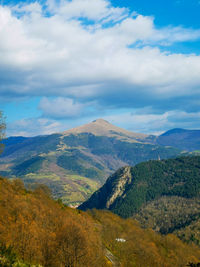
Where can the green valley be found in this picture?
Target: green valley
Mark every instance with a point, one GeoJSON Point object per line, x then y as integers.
{"type": "Point", "coordinates": [77, 162]}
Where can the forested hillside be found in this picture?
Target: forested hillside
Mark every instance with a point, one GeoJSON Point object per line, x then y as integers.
{"type": "Point", "coordinates": [34, 229]}
{"type": "Point", "coordinates": [131, 187]}
{"type": "Point", "coordinates": [162, 195]}
{"type": "Point", "coordinates": [39, 230]}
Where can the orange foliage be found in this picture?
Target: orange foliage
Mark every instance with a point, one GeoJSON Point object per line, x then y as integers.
{"type": "Point", "coordinates": [42, 231]}
{"type": "Point", "coordinates": [142, 247]}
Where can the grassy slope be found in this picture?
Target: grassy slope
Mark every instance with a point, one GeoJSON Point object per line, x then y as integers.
{"type": "Point", "coordinates": [54, 160]}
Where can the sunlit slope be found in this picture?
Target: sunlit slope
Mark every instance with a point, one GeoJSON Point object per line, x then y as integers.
{"type": "Point", "coordinates": [37, 231]}
{"type": "Point", "coordinates": [77, 162]}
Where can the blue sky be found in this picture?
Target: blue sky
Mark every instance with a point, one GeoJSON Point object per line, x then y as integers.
{"type": "Point", "coordinates": [174, 12]}
{"type": "Point", "coordinates": [65, 63]}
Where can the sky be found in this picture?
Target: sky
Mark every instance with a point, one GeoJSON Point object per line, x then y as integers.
{"type": "Point", "coordinates": [64, 63]}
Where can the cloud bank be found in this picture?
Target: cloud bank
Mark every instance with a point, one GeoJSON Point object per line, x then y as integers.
{"type": "Point", "coordinates": [85, 56]}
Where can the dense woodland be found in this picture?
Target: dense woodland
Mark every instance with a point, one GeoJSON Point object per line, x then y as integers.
{"type": "Point", "coordinates": [169, 214]}
{"type": "Point", "coordinates": [37, 230]}
{"type": "Point", "coordinates": [148, 181]}
{"type": "Point", "coordinates": [153, 179]}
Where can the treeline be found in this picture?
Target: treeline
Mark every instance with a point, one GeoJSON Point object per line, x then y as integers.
{"type": "Point", "coordinates": [37, 230]}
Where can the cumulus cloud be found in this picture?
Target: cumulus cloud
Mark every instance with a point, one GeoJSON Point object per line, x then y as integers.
{"type": "Point", "coordinates": [61, 108]}
{"type": "Point", "coordinates": [33, 127]}
{"type": "Point", "coordinates": [98, 10]}
{"type": "Point", "coordinates": [84, 51]}
{"type": "Point", "coordinates": [152, 123]}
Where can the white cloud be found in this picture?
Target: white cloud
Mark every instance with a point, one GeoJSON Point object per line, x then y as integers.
{"type": "Point", "coordinates": [33, 127]}
{"type": "Point", "coordinates": [114, 61]}
{"type": "Point", "coordinates": [93, 10]}
{"type": "Point", "coordinates": [60, 108]}
{"type": "Point", "coordinates": [170, 35]}
{"type": "Point", "coordinates": [56, 55]}
{"type": "Point", "coordinates": [142, 123]}
{"type": "Point", "coordinates": [31, 8]}
{"type": "Point", "coordinates": [151, 123]}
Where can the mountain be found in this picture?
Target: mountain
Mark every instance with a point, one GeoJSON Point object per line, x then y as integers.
{"type": "Point", "coordinates": [162, 195]}
{"type": "Point", "coordinates": [77, 162]}
{"type": "Point", "coordinates": [102, 127]}
{"type": "Point", "coordinates": [130, 188]}
{"type": "Point", "coordinates": [180, 138]}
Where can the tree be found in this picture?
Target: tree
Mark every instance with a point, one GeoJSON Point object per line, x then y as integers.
{"type": "Point", "coordinates": [2, 129]}
{"type": "Point", "coordinates": [72, 245]}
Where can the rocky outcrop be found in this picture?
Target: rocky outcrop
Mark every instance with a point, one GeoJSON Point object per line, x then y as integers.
{"type": "Point", "coordinates": [114, 188]}
{"type": "Point", "coordinates": [124, 179]}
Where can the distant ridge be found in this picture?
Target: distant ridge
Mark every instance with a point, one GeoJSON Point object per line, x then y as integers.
{"type": "Point", "coordinates": [181, 138]}
{"type": "Point", "coordinates": [174, 131]}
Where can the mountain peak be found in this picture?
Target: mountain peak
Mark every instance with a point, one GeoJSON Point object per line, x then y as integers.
{"type": "Point", "coordinates": [101, 127]}
{"type": "Point", "coordinates": [100, 121]}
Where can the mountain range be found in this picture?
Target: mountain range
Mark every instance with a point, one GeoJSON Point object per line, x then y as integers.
{"type": "Point", "coordinates": [75, 163]}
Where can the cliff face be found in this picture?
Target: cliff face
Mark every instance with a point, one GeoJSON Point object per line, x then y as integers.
{"type": "Point", "coordinates": [118, 190]}
{"type": "Point", "coordinates": [114, 188]}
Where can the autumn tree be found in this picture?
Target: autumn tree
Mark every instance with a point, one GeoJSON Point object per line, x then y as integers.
{"type": "Point", "coordinates": [2, 129]}
{"type": "Point", "coordinates": [72, 245]}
